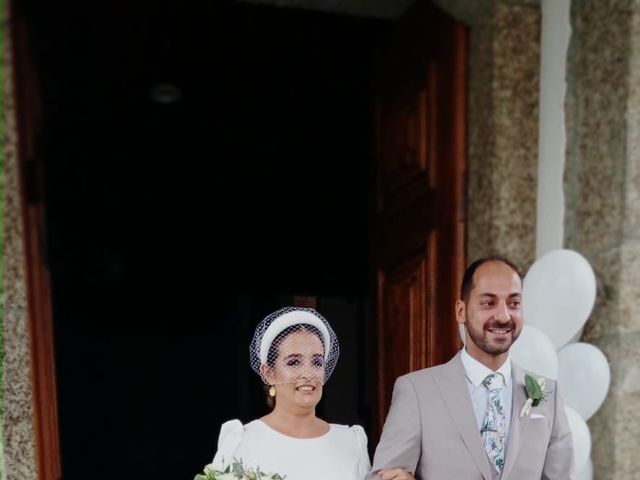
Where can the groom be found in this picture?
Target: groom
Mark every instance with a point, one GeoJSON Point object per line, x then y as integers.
{"type": "Point", "coordinates": [463, 420]}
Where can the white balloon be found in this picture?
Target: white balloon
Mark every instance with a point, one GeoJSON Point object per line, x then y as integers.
{"type": "Point", "coordinates": [534, 352]}
{"type": "Point", "coordinates": [586, 473]}
{"type": "Point", "coordinates": [558, 294]}
{"type": "Point", "coordinates": [577, 337]}
{"type": "Point", "coordinates": [583, 377]}
{"type": "Point", "coordinates": [581, 439]}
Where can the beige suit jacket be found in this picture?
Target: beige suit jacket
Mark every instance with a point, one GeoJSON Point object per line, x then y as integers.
{"type": "Point", "coordinates": [432, 432]}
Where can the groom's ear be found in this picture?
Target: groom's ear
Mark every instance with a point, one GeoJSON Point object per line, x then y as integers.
{"type": "Point", "coordinates": [460, 311]}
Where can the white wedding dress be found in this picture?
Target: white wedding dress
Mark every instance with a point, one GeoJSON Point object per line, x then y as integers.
{"type": "Point", "coordinates": [339, 454]}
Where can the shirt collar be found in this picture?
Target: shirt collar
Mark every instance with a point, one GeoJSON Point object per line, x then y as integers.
{"type": "Point", "coordinates": [476, 372]}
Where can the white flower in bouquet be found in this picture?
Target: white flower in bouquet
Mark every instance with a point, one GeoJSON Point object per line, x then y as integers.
{"type": "Point", "coordinates": [236, 471]}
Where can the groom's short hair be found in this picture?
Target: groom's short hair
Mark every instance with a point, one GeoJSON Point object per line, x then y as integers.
{"type": "Point", "coordinates": [467, 279]}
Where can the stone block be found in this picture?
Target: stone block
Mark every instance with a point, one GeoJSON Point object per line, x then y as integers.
{"type": "Point", "coordinates": [503, 122]}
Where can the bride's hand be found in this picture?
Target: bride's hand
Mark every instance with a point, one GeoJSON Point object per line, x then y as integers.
{"type": "Point", "coordinates": [395, 474]}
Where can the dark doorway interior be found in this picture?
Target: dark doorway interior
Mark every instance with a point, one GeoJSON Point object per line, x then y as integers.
{"type": "Point", "coordinates": [172, 229]}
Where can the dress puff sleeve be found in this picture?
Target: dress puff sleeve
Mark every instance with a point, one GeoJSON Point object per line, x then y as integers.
{"type": "Point", "coordinates": [228, 444]}
{"type": "Point", "coordinates": [364, 464]}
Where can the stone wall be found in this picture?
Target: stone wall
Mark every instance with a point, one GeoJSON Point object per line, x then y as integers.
{"type": "Point", "coordinates": [18, 434]}
{"type": "Point", "coordinates": [504, 64]}
{"type": "Point", "coordinates": [602, 188]}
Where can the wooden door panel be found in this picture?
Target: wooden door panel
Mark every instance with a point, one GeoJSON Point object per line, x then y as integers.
{"type": "Point", "coordinates": [402, 321]}
{"type": "Point", "coordinates": [397, 236]}
{"type": "Point", "coordinates": [403, 152]}
{"type": "Point", "coordinates": [420, 140]}
{"type": "Point", "coordinates": [406, 141]}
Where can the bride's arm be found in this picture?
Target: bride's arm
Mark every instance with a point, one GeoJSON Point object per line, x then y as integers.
{"type": "Point", "coordinates": [364, 464]}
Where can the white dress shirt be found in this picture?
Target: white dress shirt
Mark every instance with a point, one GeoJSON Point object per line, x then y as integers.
{"type": "Point", "coordinates": [476, 372]}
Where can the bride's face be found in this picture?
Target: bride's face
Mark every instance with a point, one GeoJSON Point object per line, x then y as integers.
{"type": "Point", "coordinates": [298, 372]}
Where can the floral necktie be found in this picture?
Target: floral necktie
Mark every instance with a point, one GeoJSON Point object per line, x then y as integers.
{"type": "Point", "coordinates": [493, 426]}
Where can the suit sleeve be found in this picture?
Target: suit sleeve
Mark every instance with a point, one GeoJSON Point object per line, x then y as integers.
{"type": "Point", "coordinates": [559, 459]}
{"type": "Point", "coordinates": [400, 444]}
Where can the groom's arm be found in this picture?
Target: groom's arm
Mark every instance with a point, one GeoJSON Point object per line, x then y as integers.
{"type": "Point", "coordinates": [559, 460]}
{"type": "Point", "coordinates": [400, 444]}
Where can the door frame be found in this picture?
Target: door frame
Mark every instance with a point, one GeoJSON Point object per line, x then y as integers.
{"type": "Point", "coordinates": [26, 88]}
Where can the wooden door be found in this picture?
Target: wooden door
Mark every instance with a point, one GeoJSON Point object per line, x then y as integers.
{"type": "Point", "coordinates": [26, 88]}
{"type": "Point", "coordinates": [420, 149]}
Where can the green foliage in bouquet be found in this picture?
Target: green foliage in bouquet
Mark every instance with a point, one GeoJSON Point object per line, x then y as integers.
{"type": "Point", "coordinates": [236, 471]}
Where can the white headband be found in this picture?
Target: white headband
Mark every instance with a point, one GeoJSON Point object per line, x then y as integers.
{"type": "Point", "coordinates": [289, 319]}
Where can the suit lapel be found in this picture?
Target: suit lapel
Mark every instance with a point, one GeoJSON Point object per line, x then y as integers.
{"type": "Point", "coordinates": [518, 425]}
{"type": "Point", "coordinates": [455, 393]}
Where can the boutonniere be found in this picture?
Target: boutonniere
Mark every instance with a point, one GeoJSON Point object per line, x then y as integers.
{"type": "Point", "coordinates": [535, 393]}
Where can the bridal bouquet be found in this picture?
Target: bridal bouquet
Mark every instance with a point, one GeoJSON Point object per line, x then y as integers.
{"type": "Point", "coordinates": [236, 471]}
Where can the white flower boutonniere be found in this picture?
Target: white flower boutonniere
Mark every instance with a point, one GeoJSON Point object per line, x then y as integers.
{"type": "Point", "coordinates": [535, 393]}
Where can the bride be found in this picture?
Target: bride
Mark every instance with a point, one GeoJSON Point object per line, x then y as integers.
{"type": "Point", "coordinates": [294, 350]}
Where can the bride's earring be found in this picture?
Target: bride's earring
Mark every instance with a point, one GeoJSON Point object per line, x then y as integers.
{"type": "Point", "coordinates": [272, 391]}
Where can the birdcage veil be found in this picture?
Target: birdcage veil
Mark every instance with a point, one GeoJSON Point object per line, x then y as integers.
{"type": "Point", "coordinates": [294, 343]}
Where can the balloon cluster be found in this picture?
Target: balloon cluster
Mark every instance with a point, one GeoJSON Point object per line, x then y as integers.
{"type": "Point", "coordinates": [558, 296]}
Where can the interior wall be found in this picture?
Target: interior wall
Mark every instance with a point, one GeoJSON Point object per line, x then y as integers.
{"type": "Point", "coordinates": [153, 309]}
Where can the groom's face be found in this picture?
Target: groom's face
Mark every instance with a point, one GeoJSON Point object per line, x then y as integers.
{"type": "Point", "coordinates": [492, 314]}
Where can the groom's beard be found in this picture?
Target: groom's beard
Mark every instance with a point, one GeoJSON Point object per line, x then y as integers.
{"type": "Point", "coordinates": [485, 340]}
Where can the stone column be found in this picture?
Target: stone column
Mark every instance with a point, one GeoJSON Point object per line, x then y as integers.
{"type": "Point", "coordinates": [602, 187]}
{"type": "Point", "coordinates": [18, 433]}
{"type": "Point", "coordinates": [504, 65]}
